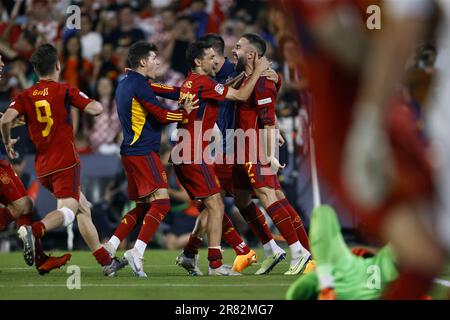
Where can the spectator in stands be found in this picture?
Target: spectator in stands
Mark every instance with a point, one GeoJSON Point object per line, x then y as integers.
{"type": "Point", "coordinates": [127, 33]}
{"type": "Point", "coordinates": [103, 129]}
{"type": "Point", "coordinates": [91, 41]}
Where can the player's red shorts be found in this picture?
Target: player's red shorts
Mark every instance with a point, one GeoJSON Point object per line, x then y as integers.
{"type": "Point", "coordinates": [224, 173]}
{"type": "Point", "coordinates": [250, 176]}
{"type": "Point", "coordinates": [199, 180]}
{"type": "Point", "coordinates": [64, 183]}
{"type": "Point", "coordinates": [11, 188]}
{"type": "Point", "coordinates": [145, 175]}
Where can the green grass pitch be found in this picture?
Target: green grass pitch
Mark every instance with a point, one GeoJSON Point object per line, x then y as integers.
{"type": "Point", "coordinates": [165, 281]}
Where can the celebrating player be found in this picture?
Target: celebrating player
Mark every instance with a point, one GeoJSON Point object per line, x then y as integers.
{"type": "Point", "coordinates": [255, 114]}
{"type": "Point", "coordinates": [142, 116]}
{"type": "Point", "coordinates": [19, 207]}
{"type": "Point", "coordinates": [225, 73]}
{"type": "Point", "coordinates": [46, 109]}
{"type": "Point", "coordinates": [195, 172]}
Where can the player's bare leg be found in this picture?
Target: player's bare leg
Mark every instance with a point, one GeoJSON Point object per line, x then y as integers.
{"type": "Point", "coordinates": [90, 235]}
{"type": "Point", "coordinates": [63, 216]}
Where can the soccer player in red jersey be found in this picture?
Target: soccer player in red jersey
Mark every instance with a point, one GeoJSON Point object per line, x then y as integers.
{"type": "Point", "coordinates": [19, 207]}
{"type": "Point", "coordinates": [46, 109]}
{"type": "Point", "coordinates": [193, 166]}
{"type": "Point", "coordinates": [142, 117]}
{"type": "Point", "coordinates": [253, 115]}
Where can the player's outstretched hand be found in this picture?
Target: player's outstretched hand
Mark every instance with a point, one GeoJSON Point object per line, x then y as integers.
{"type": "Point", "coordinates": [190, 104]}
{"type": "Point", "coordinates": [261, 64]}
{"type": "Point", "coordinates": [10, 148]}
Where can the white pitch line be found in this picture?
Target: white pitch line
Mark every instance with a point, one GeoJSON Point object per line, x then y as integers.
{"type": "Point", "coordinates": [43, 285]}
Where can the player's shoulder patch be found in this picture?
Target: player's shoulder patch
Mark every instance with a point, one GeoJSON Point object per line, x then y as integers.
{"type": "Point", "coordinates": [219, 88]}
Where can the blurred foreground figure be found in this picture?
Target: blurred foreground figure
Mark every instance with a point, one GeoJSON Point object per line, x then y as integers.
{"type": "Point", "coordinates": [370, 150]}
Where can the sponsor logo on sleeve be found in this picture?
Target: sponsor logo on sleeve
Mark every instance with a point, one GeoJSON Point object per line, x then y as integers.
{"type": "Point", "coordinates": [264, 101]}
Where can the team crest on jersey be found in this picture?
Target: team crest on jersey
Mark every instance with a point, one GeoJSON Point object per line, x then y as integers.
{"type": "Point", "coordinates": [219, 88]}
{"type": "Point", "coordinates": [164, 175]}
{"type": "Point", "coordinates": [4, 178]}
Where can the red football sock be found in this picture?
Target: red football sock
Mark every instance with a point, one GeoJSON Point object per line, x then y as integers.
{"type": "Point", "coordinates": [214, 257]}
{"type": "Point", "coordinates": [102, 256]}
{"type": "Point", "coordinates": [302, 235]}
{"type": "Point", "coordinates": [191, 247]}
{"type": "Point", "coordinates": [232, 237]}
{"type": "Point", "coordinates": [25, 220]}
{"type": "Point", "coordinates": [40, 256]}
{"type": "Point", "coordinates": [130, 220]}
{"type": "Point", "coordinates": [410, 285]}
{"type": "Point", "coordinates": [38, 229]}
{"type": "Point", "coordinates": [5, 218]}
{"type": "Point", "coordinates": [282, 221]}
{"type": "Point", "coordinates": [257, 222]}
{"type": "Point", "coordinates": [157, 212]}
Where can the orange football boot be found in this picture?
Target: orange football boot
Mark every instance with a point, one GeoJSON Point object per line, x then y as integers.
{"type": "Point", "coordinates": [244, 261]}
{"type": "Point", "coordinates": [310, 266]}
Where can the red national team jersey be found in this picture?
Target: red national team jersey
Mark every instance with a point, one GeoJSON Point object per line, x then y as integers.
{"type": "Point", "coordinates": [46, 107]}
{"type": "Point", "coordinates": [209, 93]}
{"type": "Point", "coordinates": [257, 111]}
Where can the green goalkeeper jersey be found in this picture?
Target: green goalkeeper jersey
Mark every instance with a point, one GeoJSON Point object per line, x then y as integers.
{"type": "Point", "coordinates": [355, 278]}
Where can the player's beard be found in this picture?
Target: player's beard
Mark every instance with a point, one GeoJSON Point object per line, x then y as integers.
{"type": "Point", "coordinates": [240, 65]}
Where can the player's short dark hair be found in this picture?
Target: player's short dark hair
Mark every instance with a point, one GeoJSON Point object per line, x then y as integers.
{"type": "Point", "coordinates": [140, 50]}
{"type": "Point", "coordinates": [215, 41]}
{"type": "Point", "coordinates": [196, 50]}
{"type": "Point", "coordinates": [44, 59]}
{"type": "Point", "coordinates": [256, 41]}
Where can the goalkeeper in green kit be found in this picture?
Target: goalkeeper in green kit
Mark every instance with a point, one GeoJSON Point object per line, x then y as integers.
{"type": "Point", "coordinates": [341, 274]}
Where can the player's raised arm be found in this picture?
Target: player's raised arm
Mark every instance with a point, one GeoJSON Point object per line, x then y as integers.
{"type": "Point", "coordinates": [246, 90]}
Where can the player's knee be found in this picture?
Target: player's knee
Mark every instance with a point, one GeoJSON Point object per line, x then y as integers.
{"type": "Point", "coordinates": [279, 194]}
{"type": "Point", "coordinates": [70, 203]}
{"type": "Point", "coordinates": [68, 214]}
{"type": "Point", "coordinates": [21, 206]}
{"type": "Point", "coordinates": [214, 203]}
{"type": "Point", "coordinates": [267, 196]}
